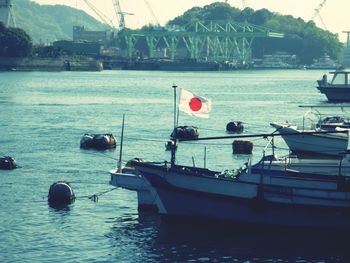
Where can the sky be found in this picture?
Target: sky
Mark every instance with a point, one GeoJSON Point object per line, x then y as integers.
{"type": "Point", "coordinates": [334, 13]}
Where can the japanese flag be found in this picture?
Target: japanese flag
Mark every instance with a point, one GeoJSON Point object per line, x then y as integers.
{"type": "Point", "coordinates": [194, 105]}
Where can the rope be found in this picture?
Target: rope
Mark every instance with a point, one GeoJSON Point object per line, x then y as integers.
{"type": "Point", "coordinates": [149, 140]}
{"type": "Point", "coordinates": [95, 196]}
{"type": "Point", "coordinates": [100, 154]}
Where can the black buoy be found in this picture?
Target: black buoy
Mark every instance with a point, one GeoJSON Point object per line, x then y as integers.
{"type": "Point", "coordinates": [242, 147]}
{"type": "Point", "coordinates": [98, 141]}
{"type": "Point", "coordinates": [7, 163]}
{"type": "Point", "coordinates": [185, 132]}
{"type": "Point", "coordinates": [61, 194]}
{"type": "Point", "coordinates": [86, 141]}
{"type": "Point", "coordinates": [234, 126]}
{"type": "Point", "coordinates": [104, 141]}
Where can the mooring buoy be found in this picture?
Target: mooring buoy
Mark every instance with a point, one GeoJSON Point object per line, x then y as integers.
{"type": "Point", "coordinates": [242, 147]}
{"type": "Point", "coordinates": [61, 194]}
{"type": "Point", "coordinates": [7, 163]}
{"type": "Point", "coordinates": [234, 126]}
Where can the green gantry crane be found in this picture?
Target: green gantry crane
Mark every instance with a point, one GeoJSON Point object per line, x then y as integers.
{"type": "Point", "coordinates": [215, 41]}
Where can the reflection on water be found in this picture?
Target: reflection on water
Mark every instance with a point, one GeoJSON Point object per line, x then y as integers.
{"type": "Point", "coordinates": [155, 240]}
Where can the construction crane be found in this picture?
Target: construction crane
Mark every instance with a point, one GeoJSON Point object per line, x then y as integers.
{"type": "Point", "coordinates": [152, 13]}
{"type": "Point", "coordinates": [120, 14]}
{"type": "Point", "coordinates": [99, 13]}
{"type": "Point", "coordinates": [317, 13]}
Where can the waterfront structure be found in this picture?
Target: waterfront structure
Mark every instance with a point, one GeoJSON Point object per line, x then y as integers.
{"type": "Point", "coordinates": [81, 34]}
{"type": "Point", "coordinates": [6, 13]}
{"type": "Point", "coordinates": [79, 48]}
{"type": "Point", "coordinates": [231, 41]}
{"type": "Point", "coordinates": [324, 62]}
{"type": "Point", "coordinates": [282, 60]}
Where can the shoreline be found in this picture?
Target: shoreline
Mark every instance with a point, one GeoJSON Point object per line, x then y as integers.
{"type": "Point", "coordinates": [49, 64]}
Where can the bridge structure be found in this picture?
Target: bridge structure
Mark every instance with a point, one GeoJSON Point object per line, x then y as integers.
{"type": "Point", "coordinates": [6, 13]}
{"type": "Point", "coordinates": [215, 41]}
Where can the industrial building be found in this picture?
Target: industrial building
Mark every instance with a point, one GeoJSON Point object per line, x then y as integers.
{"type": "Point", "coordinates": [80, 34]}
{"type": "Point", "coordinates": [79, 48]}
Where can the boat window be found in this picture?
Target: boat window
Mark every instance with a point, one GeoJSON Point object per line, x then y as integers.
{"type": "Point", "coordinates": [339, 79]}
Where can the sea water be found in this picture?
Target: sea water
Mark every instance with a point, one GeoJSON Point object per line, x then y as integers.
{"type": "Point", "coordinates": [44, 115]}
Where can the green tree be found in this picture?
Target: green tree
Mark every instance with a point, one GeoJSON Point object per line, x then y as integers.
{"type": "Point", "coordinates": [14, 42]}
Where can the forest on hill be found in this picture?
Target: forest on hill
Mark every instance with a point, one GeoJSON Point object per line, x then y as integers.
{"type": "Point", "coordinates": [48, 23]}
{"type": "Point", "coordinates": [14, 42]}
{"type": "Point", "coordinates": [302, 38]}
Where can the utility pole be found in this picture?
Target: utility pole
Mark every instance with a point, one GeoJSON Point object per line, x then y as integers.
{"type": "Point", "coordinates": [347, 38]}
{"type": "Point", "coordinates": [346, 51]}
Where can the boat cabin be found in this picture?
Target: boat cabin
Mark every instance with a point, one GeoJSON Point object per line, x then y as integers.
{"type": "Point", "coordinates": [340, 78]}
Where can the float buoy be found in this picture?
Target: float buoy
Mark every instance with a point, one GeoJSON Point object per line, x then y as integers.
{"type": "Point", "coordinates": [60, 194]}
{"type": "Point", "coordinates": [98, 141]}
{"type": "Point", "coordinates": [86, 141]}
{"type": "Point", "coordinates": [185, 132]}
{"type": "Point", "coordinates": [7, 163]}
{"type": "Point", "coordinates": [242, 147]}
{"type": "Point", "coordinates": [234, 126]}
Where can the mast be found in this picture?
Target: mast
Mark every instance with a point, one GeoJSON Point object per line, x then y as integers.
{"type": "Point", "coordinates": [121, 148]}
{"type": "Point", "coordinates": [173, 146]}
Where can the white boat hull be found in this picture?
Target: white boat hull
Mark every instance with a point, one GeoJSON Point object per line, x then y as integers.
{"type": "Point", "coordinates": [327, 144]}
{"type": "Point", "coordinates": [135, 182]}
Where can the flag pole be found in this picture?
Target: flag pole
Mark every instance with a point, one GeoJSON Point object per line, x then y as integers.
{"type": "Point", "coordinates": [173, 146]}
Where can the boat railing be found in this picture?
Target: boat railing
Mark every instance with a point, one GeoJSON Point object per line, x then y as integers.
{"type": "Point", "coordinates": [312, 115]}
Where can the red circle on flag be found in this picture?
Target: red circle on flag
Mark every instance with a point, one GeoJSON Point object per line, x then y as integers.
{"type": "Point", "coordinates": [195, 104]}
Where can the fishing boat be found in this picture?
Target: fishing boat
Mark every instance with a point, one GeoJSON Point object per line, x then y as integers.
{"type": "Point", "coordinates": [338, 89]}
{"type": "Point", "coordinates": [332, 144]}
{"type": "Point", "coordinates": [299, 142]}
{"type": "Point", "coordinates": [250, 196]}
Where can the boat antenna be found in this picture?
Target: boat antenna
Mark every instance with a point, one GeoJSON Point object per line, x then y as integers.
{"type": "Point", "coordinates": [173, 146]}
{"type": "Point", "coordinates": [121, 147]}
{"type": "Point", "coordinates": [174, 87]}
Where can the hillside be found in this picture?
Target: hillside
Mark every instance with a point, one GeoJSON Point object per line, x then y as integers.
{"type": "Point", "coordinates": [304, 39]}
{"type": "Point", "coordinates": [47, 23]}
